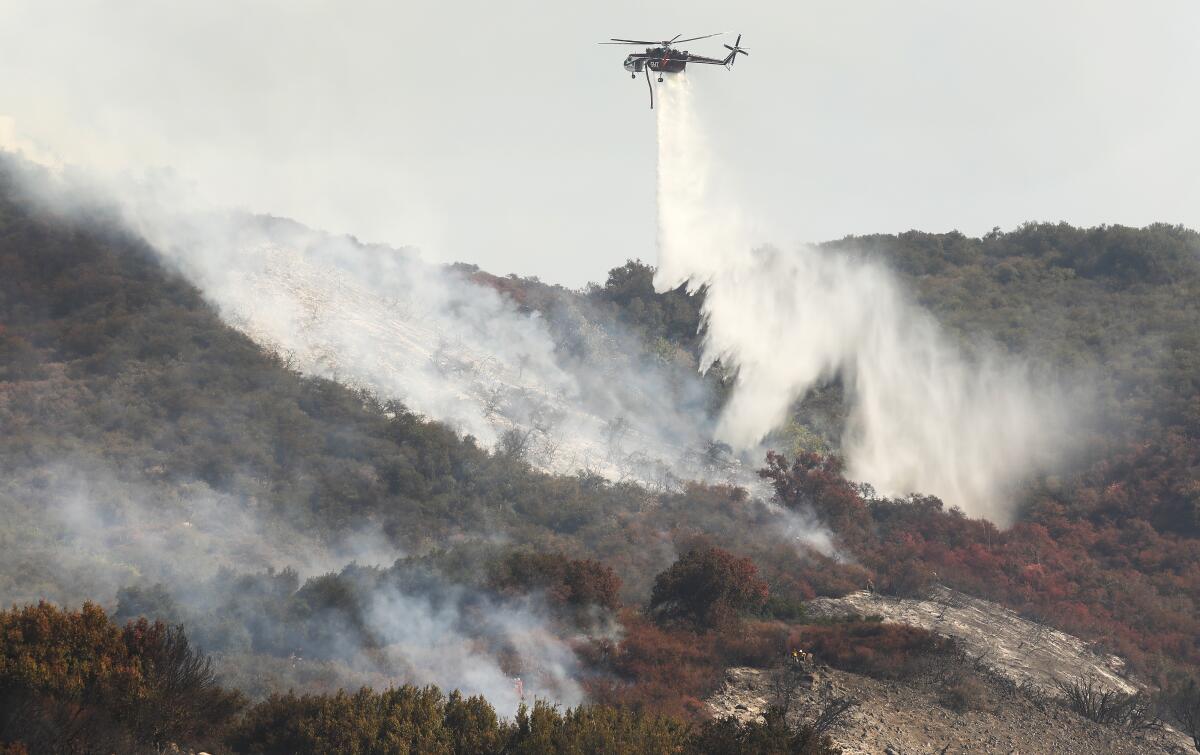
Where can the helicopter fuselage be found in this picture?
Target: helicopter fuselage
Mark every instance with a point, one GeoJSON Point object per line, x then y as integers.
{"type": "Point", "coordinates": [658, 59]}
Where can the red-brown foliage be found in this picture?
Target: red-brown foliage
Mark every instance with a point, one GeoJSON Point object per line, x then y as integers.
{"type": "Point", "coordinates": [667, 670]}
{"type": "Point", "coordinates": [1104, 557]}
{"type": "Point", "coordinates": [566, 581]}
{"type": "Point", "coordinates": [74, 681]}
{"type": "Point", "coordinates": [869, 647]}
{"type": "Point", "coordinates": [672, 669]}
{"type": "Point", "coordinates": [816, 480]}
{"type": "Point", "coordinates": [707, 588]}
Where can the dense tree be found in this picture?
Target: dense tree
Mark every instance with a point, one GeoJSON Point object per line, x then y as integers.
{"type": "Point", "coordinates": [579, 583]}
{"type": "Point", "coordinates": [728, 736]}
{"type": "Point", "coordinates": [73, 681]}
{"type": "Point", "coordinates": [401, 720]}
{"type": "Point", "coordinates": [707, 588]}
{"type": "Point", "coordinates": [410, 719]}
{"type": "Point", "coordinates": [673, 316]}
{"type": "Point", "coordinates": [815, 481]}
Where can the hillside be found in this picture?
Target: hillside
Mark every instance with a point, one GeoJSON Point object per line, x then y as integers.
{"type": "Point", "coordinates": [119, 370]}
{"type": "Point", "coordinates": [153, 455]}
{"type": "Point", "coordinates": [158, 460]}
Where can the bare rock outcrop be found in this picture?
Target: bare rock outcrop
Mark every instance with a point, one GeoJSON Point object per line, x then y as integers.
{"type": "Point", "coordinates": [999, 699]}
{"type": "Point", "coordinates": [898, 718]}
{"type": "Point", "coordinates": [1021, 650]}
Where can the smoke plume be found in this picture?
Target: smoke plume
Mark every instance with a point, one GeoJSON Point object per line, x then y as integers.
{"type": "Point", "coordinates": [923, 417]}
{"type": "Point", "coordinates": [80, 529]}
{"type": "Point", "coordinates": [577, 394]}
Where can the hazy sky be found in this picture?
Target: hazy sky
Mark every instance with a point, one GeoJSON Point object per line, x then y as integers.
{"type": "Point", "coordinates": [502, 134]}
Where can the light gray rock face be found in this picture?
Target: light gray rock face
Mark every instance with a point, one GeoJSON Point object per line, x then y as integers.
{"type": "Point", "coordinates": [893, 716]}
{"type": "Point", "coordinates": [1011, 710]}
{"type": "Point", "coordinates": [1021, 650]}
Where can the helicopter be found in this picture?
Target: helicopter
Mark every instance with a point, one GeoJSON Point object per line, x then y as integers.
{"type": "Point", "coordinates": [664, 58]}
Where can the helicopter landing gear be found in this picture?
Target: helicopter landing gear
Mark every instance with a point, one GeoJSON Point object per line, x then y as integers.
{"type": "Point", "coordinates": [660, 79]}
{"type": "Point", "coordinates": [633, 75]}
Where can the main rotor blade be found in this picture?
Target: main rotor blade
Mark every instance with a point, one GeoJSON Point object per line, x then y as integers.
{"type": "Point", "coordinates": [629, 41]}
{"type": "Point", "coordinates": [693, 39]}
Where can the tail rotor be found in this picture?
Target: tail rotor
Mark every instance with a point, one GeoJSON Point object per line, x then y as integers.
{"type": "Point", "coordinates": [733, 51]}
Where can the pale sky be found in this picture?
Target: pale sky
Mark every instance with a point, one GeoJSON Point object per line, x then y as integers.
{"type": "Point", "coordinates": [502, 134]}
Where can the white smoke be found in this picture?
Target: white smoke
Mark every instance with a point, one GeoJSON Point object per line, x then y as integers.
{"type": "Point", "coordinates": [78, 530]}
{"type": "Point", "coordinates": [923, 417]}
{"type": "Point", "coordinates": [427, 639]}
{"type": "Point", "coordinates": [382, 319]}
{"type": "Point", "coordinates": [448, 347]}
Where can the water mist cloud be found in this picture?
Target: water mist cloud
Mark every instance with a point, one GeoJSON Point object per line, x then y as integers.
{"type": "Point", "coordinates": [923, 416]}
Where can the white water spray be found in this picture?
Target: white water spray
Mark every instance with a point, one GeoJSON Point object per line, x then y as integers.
{"type": "Point", "coordinates": [922, 417]}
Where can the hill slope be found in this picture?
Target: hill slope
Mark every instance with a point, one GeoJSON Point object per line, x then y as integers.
{"type": "Point", "coordinates": [159, 460]}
